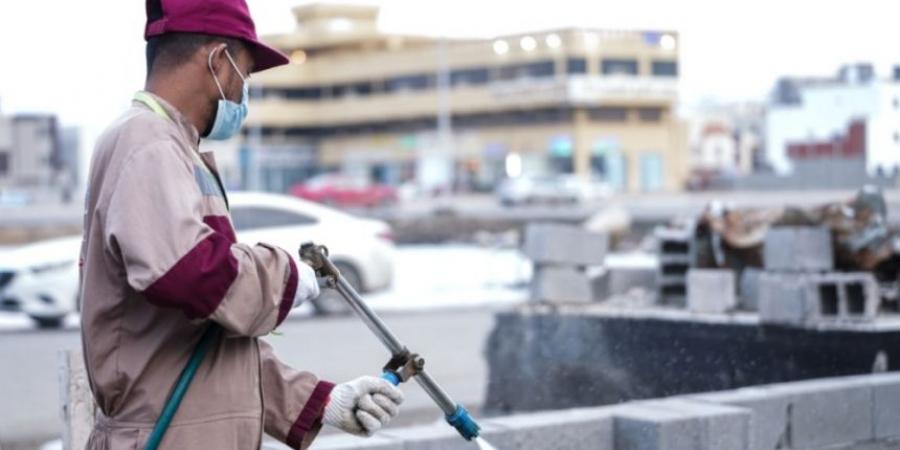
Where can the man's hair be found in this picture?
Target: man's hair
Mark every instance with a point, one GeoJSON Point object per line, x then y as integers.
{"type": "Point", "coordinates": [168, 51]}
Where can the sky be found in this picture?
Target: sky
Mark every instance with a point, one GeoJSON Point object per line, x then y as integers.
{"type": "Point", "coordinates": [84, 59]}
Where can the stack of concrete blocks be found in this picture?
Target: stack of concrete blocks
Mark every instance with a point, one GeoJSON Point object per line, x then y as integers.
{"type": "Point", "coordinates": [800, 287]}
{"type": "Point", "coordinates": [562, 256]}
{"type": "Point", "coordinates": [834, 413]}
{"type": "Point", "coordinates": [711, 291]}
{"type": "Point", "coordinates": [675, 247]}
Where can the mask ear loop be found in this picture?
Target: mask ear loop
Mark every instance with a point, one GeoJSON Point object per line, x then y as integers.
{"type": "Point", "coordinates": [215, 78]}
{"type": "Point", "coordinates": [234, 65]}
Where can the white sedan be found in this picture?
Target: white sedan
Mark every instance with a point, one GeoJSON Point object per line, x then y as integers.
{"type": "Point", "coordinates": [41, 279]}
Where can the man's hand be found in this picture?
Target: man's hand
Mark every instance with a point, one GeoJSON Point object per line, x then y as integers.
{"type": "Point", "coordinates": [307, 284]}
{"type": "Point", "coordinates": [363, 406]}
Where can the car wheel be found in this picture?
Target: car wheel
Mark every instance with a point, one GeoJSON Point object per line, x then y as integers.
{"type": "Point", "coordinates": [47, 323]}
{"type": "Point", "coordinates": [330, 303]}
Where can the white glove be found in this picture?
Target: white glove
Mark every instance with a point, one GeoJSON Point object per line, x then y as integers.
{"type": "Point", "coordinates": [363, 406]}
{"type": "Point", "coordinates": [307, 284]}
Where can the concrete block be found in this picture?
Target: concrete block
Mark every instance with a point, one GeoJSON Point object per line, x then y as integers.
{"type": "Point", "coordinates": [564, 245]}
{"type": "Point", "coordinates": [769, 418]}
{"type": "Point", "coordinates": [828, 412]}
{"type": "Point", "coordinates": [748, 289]}
{"type": "Point", "coordinates": [814, 297]}
{"type": "Point", "coordinates": [561, 285]}
{"type": "Point", "coordinates": [798, 249]}
{"type": "Point", "coordinates": [782, 298]}
{"type": "Point", "coordinates": [843, 296]}
{"type": "Point", "coordinates": [572, 429]}
{"type": "Point", "coordinates": [441, 436]}
{"type": "Point", "coordinates": [724, 427]}
{"type": "Point", "coordinates": [76, 401]}
{"type": "Point", "coordinates": [622, 279]}
{"type": "Point", "coordinates": [885, 404]}
{"type": "Point", "coordinates": [711, 290]}
{"type": "Point", "coordinates": [349, 442]}
{"type": "Point", "coordinates": [644, 426]}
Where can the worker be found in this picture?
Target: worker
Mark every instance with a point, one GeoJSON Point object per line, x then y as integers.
{"type": "Point", "coordinates": [160, 262]}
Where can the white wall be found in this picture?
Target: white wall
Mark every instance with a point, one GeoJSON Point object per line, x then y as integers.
{"type": "Point", "coordinates": [825, 112]}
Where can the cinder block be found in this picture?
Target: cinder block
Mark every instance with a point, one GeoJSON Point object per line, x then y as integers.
{"type": "Point", "coordinates": [814, 297]}
{"type": "Point", "coordinates": [561, 285]}
{"type": "Point", "coordinates": [885, 404]}
{"type": "Point", "coordinates": [828, 412]}
{"type": "Point", "coordinates": [748, 289]}
{"type": "Point", "coordinates": [711, 290]}
{"type": "Point", "coordinates": [843, 296]}
{"type": "Point", "coordinates": [573, 429]}
{"type": "Point", "coordinates": [564, 245]}
{"type": "Point", "coordinates": [769, 418]}
{"type": "Point", "coordinates": [798, 249]}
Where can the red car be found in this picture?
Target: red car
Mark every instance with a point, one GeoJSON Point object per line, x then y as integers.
{"type": "Point", "coordinates": [341, 190]}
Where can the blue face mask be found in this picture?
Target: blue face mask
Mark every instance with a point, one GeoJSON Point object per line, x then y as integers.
{"type": "Point", "coordinates": [229, 115]}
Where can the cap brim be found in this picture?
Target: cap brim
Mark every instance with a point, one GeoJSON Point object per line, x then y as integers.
{"type": "Point", "coordinates": [265, 57]}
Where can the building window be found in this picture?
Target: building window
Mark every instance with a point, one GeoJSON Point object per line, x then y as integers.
{"type": "Point", "coordinates": [409, 83]}
{"type": "Point", "coordinates": [4, 163]}
{"type": "Point", "coordinates": [302, 93]}
{"type": "Point", "coordinates": [665, 68]}
{"type": "Point", "coordinates": [576, 66]}
{"type": "Point", "coordinates": [608, 114]}
{"type": "Point", "coordinates": [533, 70]}
{"type": "Point", "coordinates": [475, 76]}
{"type": "Point", "coordinates": [650, 114]}
{"type": "Point", "coordinates": [614, 66]}
{"type": "Point", "coordinates": [252, 217]}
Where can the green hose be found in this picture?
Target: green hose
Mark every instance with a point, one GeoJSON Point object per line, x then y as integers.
{"type": "Point", "coordinates": [184, 381]}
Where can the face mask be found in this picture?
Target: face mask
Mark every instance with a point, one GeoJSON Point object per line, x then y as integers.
{"type": "Point", "coordinates": [229, 115]}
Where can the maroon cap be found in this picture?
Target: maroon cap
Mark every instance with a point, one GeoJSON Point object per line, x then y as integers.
{"type": "Point", "coordinates": [229, 18]}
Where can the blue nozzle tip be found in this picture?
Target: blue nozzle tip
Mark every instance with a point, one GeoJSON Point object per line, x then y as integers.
{"type": "Point", "coordinates": [463, 422]}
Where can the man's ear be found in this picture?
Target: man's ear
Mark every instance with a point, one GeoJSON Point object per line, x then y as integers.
{"type": "Point", "coordinates": [214, 58]}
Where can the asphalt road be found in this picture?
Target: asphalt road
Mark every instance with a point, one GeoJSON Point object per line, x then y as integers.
{"type": "Point", "coordinates": [336, 349]}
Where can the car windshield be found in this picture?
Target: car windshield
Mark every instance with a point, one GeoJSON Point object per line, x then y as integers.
{"type": "Point", "coordinates": [247, 218]}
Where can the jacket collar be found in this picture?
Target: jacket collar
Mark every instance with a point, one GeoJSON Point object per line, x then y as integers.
{"type": "Point", "coordinates": [187, 129]}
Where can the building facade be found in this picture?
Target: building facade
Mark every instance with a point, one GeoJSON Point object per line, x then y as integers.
{"type": "Point", "coordinates": [464, 113]}
{"type": "Point", "coordinates": [851, 121]}
{"type": "Point", "coordinates": [38, 158]}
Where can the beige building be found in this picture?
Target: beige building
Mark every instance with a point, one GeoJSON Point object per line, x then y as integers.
{"type": "Point", "coordinates": [466, 112]}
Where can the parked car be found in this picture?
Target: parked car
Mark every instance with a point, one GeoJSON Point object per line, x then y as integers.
{"type": "Point", "coordinates": [345, 191]}
{"type": "Point", "coordinates": [41, 279]}
{"type": "Point", "coordinates": [549, 189]}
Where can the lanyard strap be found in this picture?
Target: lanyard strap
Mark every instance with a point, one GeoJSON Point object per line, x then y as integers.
{"type": "Point", "coordinates": [151, 103]}
{"type": "Point", "coordinates": [154, 105]}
